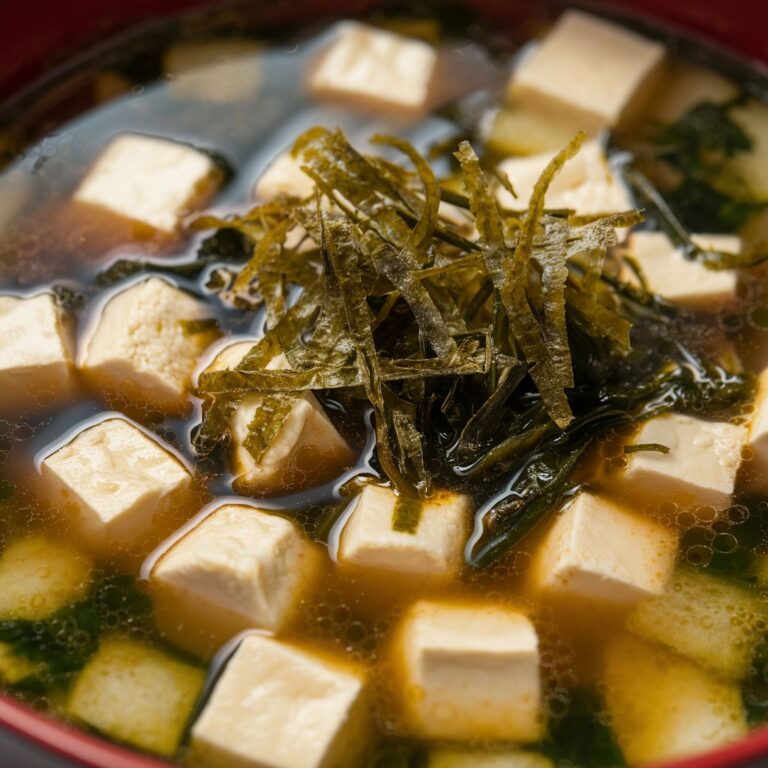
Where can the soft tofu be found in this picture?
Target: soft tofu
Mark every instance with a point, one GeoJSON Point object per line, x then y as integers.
{"type": "Point", "coordinates": [284, 177]}
{"type": "Point", "coordinates": [599, 552]}
{"type": "Point", "coordinates": [585, 184]}
{"type": "Point", "coordinates": [590, 71]}
{"type": "Point", "coordinates": [279, 706]}
{"type": "Point", "coordinates": [753, 165]}
{"type": "Point", "coordinates": [663, 706]}
{"type": "Point", "coordinates": [699, 470]}
{"type": "Point", "coordinates": [684, 281]}
{"type": "Point", "coordinates": [375, 70]}
{"type": "Point", "coordinates": [146, 345]}
{"type": "Point", "coordinates": [239, 568]}
{"type": "Point", "coordinates": [711, 621]}
{"type": "Point", "coordinates": [308, 449]}
{"type": "Point", "coordinates": [118, 486]}
{"type": "Point", "coordinates": [433, 550]}
{"type": "Point", "coordinates": [150, 181]}
{"type": "Point", "coordinates": [756, 469]}
{"type": "Point", "coordinates": [137, 694]}
{"type": "Point", "coordinates": [464, 758]}
{"type": "Point", "coordinates": [36, 366]}
{"type": "Point", "coordinates": [15, 668]}
{"type": "Point", "coordinates": [470, 672]}
{"type": "Point", "coordinates": [519, 131]}
{"type": "Point", "coordinates": [38, 576]}
{"type": "Point", "coordinates": [223, 71]}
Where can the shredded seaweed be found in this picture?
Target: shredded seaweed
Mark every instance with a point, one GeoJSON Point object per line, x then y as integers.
{"type": "Point", "coordinates": [653, 447]}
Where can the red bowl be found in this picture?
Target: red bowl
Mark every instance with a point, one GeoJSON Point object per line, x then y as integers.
{"type": "Point", "coordinates": [37, 35]}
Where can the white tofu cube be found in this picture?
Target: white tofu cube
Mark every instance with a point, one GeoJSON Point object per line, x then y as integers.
{"type": "Point", "coordinates": [699, 470]}
{"type": "Point", "coordinates": [599, 552]}
{"type": "Point", "coordinates": [308, 449]}
{"type": "Point", "coordinates": [151, 181]}
{"type": "Point", "coordinates": [520, 131]}
{"type": "Point", "coordinates": [222, 71]}
{"type": "Point", "coordinates": [465, 758]}
{"type": "Point", "coordinates": [755, 470]}
{"type": "Point", "coordinates": [375, 70]}
{"type": "Point", "coordinates": [284, 177]}
{"type": "Point", "coordinates": [753, 165]}
{"type": "Point", "coordinates": [711, 621]}
{"type": "Point", "coordinates": [684, 281]}
{"type": "Point", "coordinates": [589, 70]}
{"type": "Point", "coordinates": [238, 568]}
{"type": "Point", "coordinates": [585, 184]}
{"type": "Point", "coordinates": [433, 550]}
{"type": "Point", "coordinates": [36, 367]}
{"type": "Point", "coordinates": [117, 485]}
{"type": "Point", "coordinates": [280, 706]}
{"type": "Point", "coordinates": [146, 344]}
{"type": "Point", "coordinates": [687, 85]}
{"type": "Point", "coordinates": [663, 706]}
{"type": "Point", "coordinates": [470, 672]}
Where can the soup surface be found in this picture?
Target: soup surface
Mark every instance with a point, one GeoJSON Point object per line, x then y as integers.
{"type": "Point", "coordinates": [388, 392]}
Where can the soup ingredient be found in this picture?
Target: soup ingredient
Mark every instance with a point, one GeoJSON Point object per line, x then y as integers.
{"type": "Point", "coordinates": [756, 469]}
{"type": "Point", "coordinates": [687, 282]}
{"type": "Point", "coordinates": [586, 184]}
{"type": "Point", "coordinates": [433, 548]}
{"type": "Point", "coordinates": [712, 621]}
{"type": "Point", "coordinates": [663, 706]}
{"type": "Point", "coordinates": [238, 568]}
{"type": "Point", "coordinates": [284, 176]}
{"type": "Point", "coordinates": [752, 116]}
{"type": "Point", "coordinates": [36, 367]}
{"type": "Point", "coordinates": [685, 86]}
{"type": "Point", "coordinates": [598, 551]}
{"type": "Point", "coordinates": [147, 343]}
{"type": "Point", "coordinates": [470, 671]}
{"type": "Point", "coordinates": [39, 576]}
{"type": "Point", "coordinates": [279, 446]}
{"type": "Point", "coordinates": [117, 486]}
{"type": "Point", "coordinates": [266, 688]}
{"type": "Point", "coordinates": [590, 71]}
{"type": "Point", "coordinates": [458, 758]}
{"type": "Point", "coordinates": [15, 669]}
{"type": "Point", "coordinates": [375, 70]}
{"type": "Point", "coordinates": [519, 130]}
{"type": "Point", "coordinates": [135, 693]}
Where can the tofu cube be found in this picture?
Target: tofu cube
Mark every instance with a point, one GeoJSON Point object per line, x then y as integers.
{"type": "Point", "coordinates": [519, 131]}
{"type": "Point", "coordinates": [470, 672]}
{"type": "Point", "coordinates": [589, 70]}
{"type": "Point", "coordinates": [663, 706]}
{"type": "Point", "coordinates": [119, 487]}
{"type": "Point", "coordinates": [14, 668]}
{"type": "Point", "coordinates": [136, 694]}
{"type": "Point", "coordinates": [308, 450]}
{"type": "Point", "coordinates": [284, 177]}
{"type": "Point", "coordinates": [38, 576]}
{"type": "Point", "coordinates": [687, 85]}
{"type": "Point", "coordinates": [146, 344]}
{"type": "Point", "coordinates": [280, 706]}
{"type": "Point", "coordinates": [699, 470]}
{"type": "Point", "coordinates": [755, 470]}
{"type": "Point", "coordinates": [216, 71]}
{"type": "Point", "coordinates": [753, 166]}
{"type": "Point", "coordinates": [599, 552]}
{"type": "Point", "coordinates": [36, 366]}
{"type": "Point", "coordinates": [152, 182]}
{"type": "Point", "coordinates": [711, 621]}
{"type": "Point", "coordinates": [465, 758]}
{"type": "Point", "coordinates": [433, 550]}
{"type": "Point", "coordinates": [585, 184]}
{"type": "Point", "coordinates": [684, 281]}
{"type": "Point", "coordinates": [238, 568]}
{"type": "Point", "coordinates": [375, 70]}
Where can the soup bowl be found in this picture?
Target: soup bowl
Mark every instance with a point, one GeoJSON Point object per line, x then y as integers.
{"type": "Point", "coordinates": [53, 37]}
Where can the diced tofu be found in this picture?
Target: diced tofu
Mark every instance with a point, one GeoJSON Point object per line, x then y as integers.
{"type": "Point", "coordinates": [146, 345]}
{"type": "Point", "coordinates": [699, 470]}
{"type": "Point", "coordinates": [520, 131]}
{"type": "Point", "coordinates": [38, 576]}
{"type": "Point", "coordinates": [687, 282]}
{"type": "Point", "coordinates": [461, 758]}
{"type": "Point", "coordinates": [280, 706]}
{"type": "Point", "coordinates": [284, 177]}
{"type": "Point", "coordinates": [755, 470]}
{"type": "Point", "coordinates": [137, 694]}
{"type": "Point", "coordinates": [753, 166]}
{"type": "Point", "coordinates": [36, 365]}
{"type": "Point", "coordinates": [433, 550]}
{"type": "Point", "coordinates": [589, 70]}
{"type": "Point", "coordinates": [239, 568]}
{"type": "Point", "coordinates": [470, 672]}
{"type": "Point", "coordinates": [150, 181]}
{"type": "Point", "coordinates": [217, 71]}
{"type": "Point", "coordinates": [711, 621]}
{"type": "Point", "coordinates": [308, 449]}
{"type": "Point", "coordinates": [599, 552]}
{"type": "Point", "coordinates": [118, 486]}
{"type": "Point", "coordinates": [376, 70]}
{"type": "Point", "coordinates": [662, 706]}
{"type": "Point", "coordinates": [586, 183]}
{"type": "Point", "coordinates": [14, 668]}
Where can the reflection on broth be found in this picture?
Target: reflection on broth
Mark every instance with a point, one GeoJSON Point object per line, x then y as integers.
{"type": "Point", "coordinates": [354, 413]}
